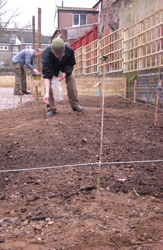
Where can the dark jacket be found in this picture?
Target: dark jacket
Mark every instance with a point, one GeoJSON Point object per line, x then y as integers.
{"type": "Point", "coordinates": [52, 65]}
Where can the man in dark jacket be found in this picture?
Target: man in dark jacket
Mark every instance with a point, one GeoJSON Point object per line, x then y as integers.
{"type": "Point", "coordinates": [59, 56]}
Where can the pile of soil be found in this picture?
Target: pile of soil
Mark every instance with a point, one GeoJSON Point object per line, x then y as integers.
{"type": "Point", "coordinates": [52, 200]}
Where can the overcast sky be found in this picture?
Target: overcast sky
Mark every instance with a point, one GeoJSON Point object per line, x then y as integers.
{"type": "Point", "coordinates": [30, 8]}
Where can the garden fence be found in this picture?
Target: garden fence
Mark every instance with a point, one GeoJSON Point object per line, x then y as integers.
{"type": "Point", "coordinates": [134, 48]}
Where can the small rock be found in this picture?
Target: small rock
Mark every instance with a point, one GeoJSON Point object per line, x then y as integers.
{"type": "Point", "coordinates": [36, 226]}
{"type": "Point", "coordinates": [25, 223]}
{"type": "Point", "coordinates": [84, 140]}
{"type": "Point", "coordinates": [5, 222]}
{"type": "Point", "coordinates": [50, 223]}
{"type": "Point", "coordinates": [32, 198]}
{"type": "Point", "coordinates": [47, 220]}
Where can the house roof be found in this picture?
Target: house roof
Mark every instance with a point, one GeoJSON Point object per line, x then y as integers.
{"type": "Point", "coordinates": [59, 8]}
{"type": "Point", "coordinates": [28, 36]}
{"type": "Point", "coordinates": [5, 39]}
{"type": "Point", "coordinates": [96, 4]}
{"type": "Point", "coordinates": [25, 36]}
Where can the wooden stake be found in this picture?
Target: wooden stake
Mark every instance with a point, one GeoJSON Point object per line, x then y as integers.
{"type": "Point", "coordinates": [115, 90]}
{"type": "Point", "coordinates": [33, 32]}
{"type": "Point", "coordinates": [151, 79]}
{"type": "Point", "coordinates": [135, 86]}
{"type": "Point", "coordinates": [100, 94]}
{"type": "Point", "coordinates": [31, 83]}
{"type": "Point", "coordinates": [37, 98]}
{"type": "Point", "coordinates": [39, 38]}
{"type": "Point", "coordinates": [157, 103]}
{"type": "Point", "coordinates": [20, 91]}
{"type": "Point", "coordinates": [102, 124]}
{"type": "Point", "coordinates": [125, 89]}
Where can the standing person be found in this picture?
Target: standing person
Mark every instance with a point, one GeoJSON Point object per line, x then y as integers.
{"type": "Point", "coordinates": [24, 58]}
{"type": "Point", "coordinates": [59, 56]}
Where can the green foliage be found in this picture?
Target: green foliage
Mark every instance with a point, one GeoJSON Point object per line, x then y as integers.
{"type": "Point", "coordinates": [4, 68]}
{"type": "Point", "coordinates": [159, 75]}
{"type": "Point", "coordinates": [133, 78]}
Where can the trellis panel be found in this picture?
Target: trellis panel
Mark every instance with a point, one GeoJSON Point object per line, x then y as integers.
{"type": "Point", "coordinates": [143, 44]}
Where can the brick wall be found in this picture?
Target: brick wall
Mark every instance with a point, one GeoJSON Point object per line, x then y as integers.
{"type": "Point", "coordinates": [92, 18]}
{"type": "Point", "coordinates": [5, 56]}
{"type": "Point", "coordinates": [65, 19]}
{"type": "Point", "coordinates": [109, 18]}
{"type": "Point", "coordinates": [146, 88]}
{"type": "Point", "coordinates": [116, 14]}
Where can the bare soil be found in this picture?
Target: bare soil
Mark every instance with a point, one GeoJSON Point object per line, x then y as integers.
{"type": "Point", "coordinates": [63, 208]}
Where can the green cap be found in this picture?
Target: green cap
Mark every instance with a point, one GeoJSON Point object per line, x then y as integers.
{"type": "Point", "coordinates": [58, 46]}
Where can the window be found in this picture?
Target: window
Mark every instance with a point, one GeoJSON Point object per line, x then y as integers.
{"type": "Point", "coordinates": [28, 47]}
{"type": "Point", "coordinates": [76, 20]}
{"type": "Point", "coordinates": [3, 47]}
{"type": "Point", "coordinates": [15, 49]}
{"type": "Point", "coordinates": [82, 19]}
{"type": "Point", "coordinates": [79, 19]}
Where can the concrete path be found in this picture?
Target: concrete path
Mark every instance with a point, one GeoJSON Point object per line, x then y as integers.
{"type": "Point", "coordinates": [8, 100]}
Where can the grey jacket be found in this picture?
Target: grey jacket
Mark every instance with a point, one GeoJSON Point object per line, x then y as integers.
{"type": "Point", "coordinates": [25, 57]}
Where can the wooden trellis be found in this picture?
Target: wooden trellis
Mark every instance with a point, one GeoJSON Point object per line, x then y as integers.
{"type": "Point", "coordinates": [91, 58]}
{"type": "Point", "coordinates": [143, 44]}
{"type": "Point", "coordinates": [137, 47]}
{"type": "Point", "coordinates": [112, 47]}
{"type": "Point", "coordinates": [78, 70]}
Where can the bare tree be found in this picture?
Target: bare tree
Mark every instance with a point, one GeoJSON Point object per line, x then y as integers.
{"type": "Point", "coordinates": [6, 15]}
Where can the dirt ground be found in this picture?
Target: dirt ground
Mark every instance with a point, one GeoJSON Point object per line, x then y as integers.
{"type": "Point", "coordinates": [62, 208]}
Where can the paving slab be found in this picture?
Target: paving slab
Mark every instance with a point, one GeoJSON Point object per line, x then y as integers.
{"type": "Point", "coordinates": [8, 100]}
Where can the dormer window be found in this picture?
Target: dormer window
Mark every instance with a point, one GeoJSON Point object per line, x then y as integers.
{"type": "Point", "coordinates": [79, 19]}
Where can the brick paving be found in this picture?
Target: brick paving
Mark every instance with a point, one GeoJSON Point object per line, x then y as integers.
{"type": "Point", "coordinates": [8, 100]}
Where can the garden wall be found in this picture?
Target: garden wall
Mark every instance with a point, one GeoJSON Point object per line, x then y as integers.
{"type": "Point", "coordinates": [147, 83]}
{"type": "Point", "coordinates": [85, 85]}
{"type": "Point", "coordinates": [146, 90]}
{"type": "Point", "coordinates": [7, 81]}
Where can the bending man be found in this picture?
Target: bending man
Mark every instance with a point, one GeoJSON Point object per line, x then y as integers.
{"type": "Point", "coordinates": [59, 56]}
{"type": "Point", "coordinates": [24, 58]}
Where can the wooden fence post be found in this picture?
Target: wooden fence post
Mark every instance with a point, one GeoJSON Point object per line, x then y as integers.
{"type": "Point", "coordinates": [157, 103]}
{"type": "Point", "coordinates": [39, 38]}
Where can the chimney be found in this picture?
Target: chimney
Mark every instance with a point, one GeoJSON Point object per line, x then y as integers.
{"type": "Point", "coordinates": [62, 3]}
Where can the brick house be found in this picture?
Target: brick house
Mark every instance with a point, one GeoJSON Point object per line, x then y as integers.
{"type": "Point", "coordinates": [15, 40]}
{"type": "Point", "coordinates": [74, 22]}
